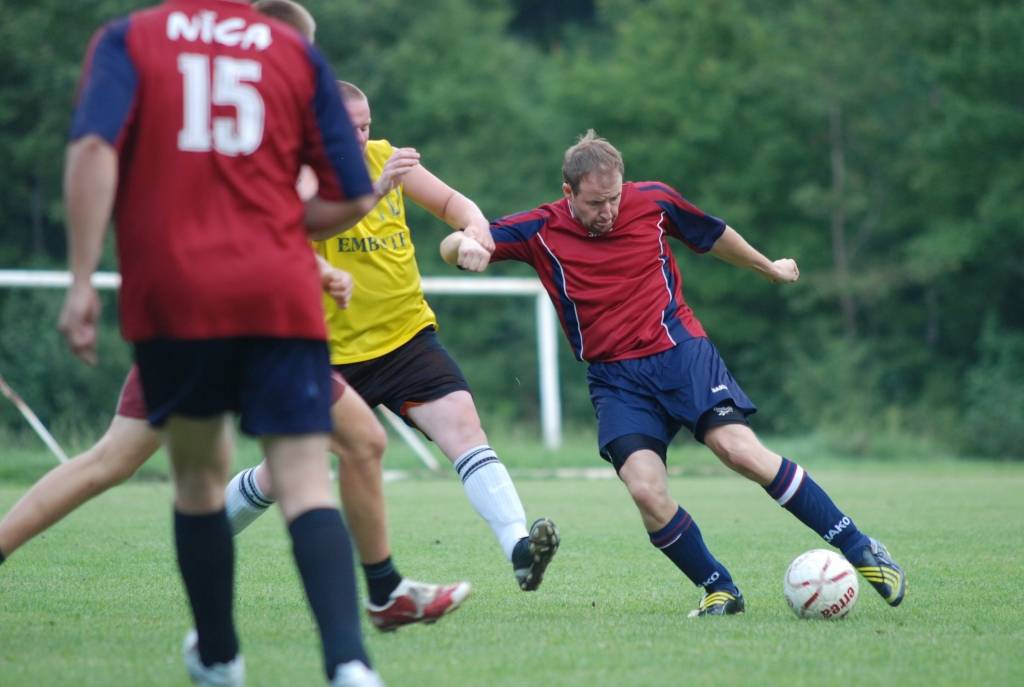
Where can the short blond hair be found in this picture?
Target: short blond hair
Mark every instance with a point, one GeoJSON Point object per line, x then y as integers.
{"type": "Point", "coordinates": [349, 91]}
{"type": "Point", "coordinates": [291, 13]}
{"type": "Point", "coordinates": [591, 153]}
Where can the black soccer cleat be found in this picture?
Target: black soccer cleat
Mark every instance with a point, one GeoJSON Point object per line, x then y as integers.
{"type": "Point", "coordinates": [721, 602]}
{"type": "Point", "coordinates": [878, 568]}
{"type": "Point", "coordinates": [531, 557]}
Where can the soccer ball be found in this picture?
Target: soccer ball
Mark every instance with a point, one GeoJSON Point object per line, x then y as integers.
{"type": "Point", "coordinates": [820, 584]}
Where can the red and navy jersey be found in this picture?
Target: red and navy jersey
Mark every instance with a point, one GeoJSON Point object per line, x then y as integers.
{"type": "Point", "coordinates": [619, 295]}
{"type": "Point", "coordinates": [213, 108]}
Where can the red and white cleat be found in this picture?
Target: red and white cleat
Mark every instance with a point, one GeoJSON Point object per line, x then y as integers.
{"type": "Point", "coordinates": [417, 602]}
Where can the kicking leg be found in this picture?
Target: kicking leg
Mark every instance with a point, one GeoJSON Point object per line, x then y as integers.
{"type": "Point", "coordinates": [125, 446]}
{"type": "Point", "coordinates": [453, 424]}
{"type": "Point", "coordinates": [739, 449]}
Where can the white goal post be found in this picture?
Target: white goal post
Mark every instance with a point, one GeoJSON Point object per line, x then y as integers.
{"type": "Point", "coordinates": [547, 335]}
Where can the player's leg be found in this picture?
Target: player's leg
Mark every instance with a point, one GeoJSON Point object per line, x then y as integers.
{"type": "Point", "coordinates": [200, 454]}
{"type": "Point", "coordinates": [299, 471]}
{"type": "Point", "coordinates": [634, 430]}
{"type": "Point", "coordinates": [190, 387]}
{"type": "Point", "coordinates": [453, 423]}
{"type": "Point", "coordinates": [125, 446]}
{"type": "Point", "coordinates": [716, 408]}
{"type": "Point", "coordinates": [639, 461]}
{"type": "Point", "coordinates": [286, 402]}
{"type": "Point", "coordinates": [792, 487]}
{"type": "Point", "coordinates": [359, 440]}
{"type": "Point", "coordinates": [250, 492]}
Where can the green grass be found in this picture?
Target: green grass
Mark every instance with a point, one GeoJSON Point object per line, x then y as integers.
{"type": "Point", "coordinates": [97, 600]}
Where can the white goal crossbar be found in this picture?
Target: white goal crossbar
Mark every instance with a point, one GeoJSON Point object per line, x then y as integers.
{"type": "Point", "coordinates": [547, 336]}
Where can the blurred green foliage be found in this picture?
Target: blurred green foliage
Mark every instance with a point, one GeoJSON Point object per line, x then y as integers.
{"type": "Point", "coordinates": [877, 143]}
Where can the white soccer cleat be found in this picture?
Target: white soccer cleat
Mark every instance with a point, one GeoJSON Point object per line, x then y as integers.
{"type": "Point", "coordinates": [356, 674]}
{"type": "Point", "coordinates": [230, 674]}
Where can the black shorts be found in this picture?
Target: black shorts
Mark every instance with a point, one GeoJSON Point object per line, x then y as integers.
{"type": "Point", "coordinates": [417, 372]}
{"type": "Point", "coordinates": [278, 386]}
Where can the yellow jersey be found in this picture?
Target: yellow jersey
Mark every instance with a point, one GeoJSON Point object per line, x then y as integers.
{"type": "Point", "coordinates": [388, 306]}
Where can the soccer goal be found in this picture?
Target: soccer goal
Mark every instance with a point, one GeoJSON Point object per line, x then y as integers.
{"type": "Point", "coordinates": [547, 336]}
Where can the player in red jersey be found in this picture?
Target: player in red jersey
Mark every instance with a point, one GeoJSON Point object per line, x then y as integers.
{"type": "Point", "coordinates": [193, 120]}
{"type": "Point", "coordinates": [602, 254]}
{"type": "Point", "coordinates": [358, 438]}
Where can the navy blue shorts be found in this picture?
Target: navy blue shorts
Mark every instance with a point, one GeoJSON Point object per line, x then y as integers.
{"type": "Point", "coordinates": [277, 386]}
{"type": "Point", "coordinates": [417, 372]}
{"type": "Point", "coordinates": [659, 394]}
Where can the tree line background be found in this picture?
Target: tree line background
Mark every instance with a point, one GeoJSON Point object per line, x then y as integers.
{"type": "Point", "coordinates": [880, 144]}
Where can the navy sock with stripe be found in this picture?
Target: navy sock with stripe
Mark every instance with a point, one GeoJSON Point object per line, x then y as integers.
{"type": "Point", "coordinates": [794, 490]}
{"type": "Point", "coordinates": [680, 540]}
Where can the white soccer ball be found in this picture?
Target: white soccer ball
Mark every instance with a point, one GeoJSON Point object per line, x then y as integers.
{"type": "Point", "coordinates": [821, 584]}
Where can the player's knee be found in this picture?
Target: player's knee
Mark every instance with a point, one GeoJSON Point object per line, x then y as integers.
{"type": "Point", "coordinates": [109, 467]}
{"type": "Point", "coordinates": [366, 449]}
{"type": "Point", "coordinates": [738, 451]}
{"type": "Point", "coordinates": [376, 442]}
{"type": "Point", "coordinates": [464, 427]}
{"type": "Point", "coordinates": [648, 495]}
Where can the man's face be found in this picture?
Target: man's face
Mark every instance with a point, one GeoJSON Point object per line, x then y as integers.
{"type": "Point", "coordinates": [596, 205]}
{"type": "Point", "coordinates": [359, 113]}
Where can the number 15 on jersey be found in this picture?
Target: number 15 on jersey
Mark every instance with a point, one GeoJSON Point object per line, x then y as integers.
{"type": "Point", "coordinates": [231, 85]}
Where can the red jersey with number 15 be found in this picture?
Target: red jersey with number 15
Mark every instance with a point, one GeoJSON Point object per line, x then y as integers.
{"type": "Point", "coordinates": [213, 108]}
{"type": "Point", "coordinates": [619, 295]}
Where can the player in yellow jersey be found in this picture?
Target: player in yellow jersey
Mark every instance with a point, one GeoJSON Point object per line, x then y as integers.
{"type": "Point", "coordinates": [386, 346]}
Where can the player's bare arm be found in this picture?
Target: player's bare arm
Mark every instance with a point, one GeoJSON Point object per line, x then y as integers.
{"type": "Point", "coordinates": [448, 205]}
{"type": "Point", "coordinates": [734, 249]}
{"type": "Point", "coordinates": [465, 252]}
{"type": "Point", "coordinates": [336, 282]}
{"type": "Point", "coordinates": [90, 184]}
{"type": "Point", "coordinates": [327, 218]}
{"type": "Point", "coordinates": [401, 162]}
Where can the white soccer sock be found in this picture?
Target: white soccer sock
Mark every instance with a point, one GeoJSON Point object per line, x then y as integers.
{"type": "Point", "coordinates": [244, 500]}
{"type": "Point", "coordinates": [493, 495]}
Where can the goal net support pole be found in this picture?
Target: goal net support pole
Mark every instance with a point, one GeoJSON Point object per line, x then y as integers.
{"type": "Point", "coordinates": [547, 338]}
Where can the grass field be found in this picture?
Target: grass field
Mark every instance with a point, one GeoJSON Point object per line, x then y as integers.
{"type": "Point", "coordinates": [97, 601]}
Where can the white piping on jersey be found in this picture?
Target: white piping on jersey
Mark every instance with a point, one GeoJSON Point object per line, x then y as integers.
{"type": "Point", "coordinates": [662, 249]}
{"type": "Point", "coordinates": [565, 291]}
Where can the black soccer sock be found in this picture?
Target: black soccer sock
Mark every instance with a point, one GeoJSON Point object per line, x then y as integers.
{"type": "Point", "coordinates": [323, 554]}
{"type": "Point", "coordinates": [794, 490]}
{"type": "Point", "coordinates": [521, 556]}
{"type": "Point", "coordinates": [381, 579]}
{"type": "Point", "coordinates": [206, 557]}
{"type": "Point", "coordinates": [681, 541]}
{"type": "Point", "coordinates": [2, 558]}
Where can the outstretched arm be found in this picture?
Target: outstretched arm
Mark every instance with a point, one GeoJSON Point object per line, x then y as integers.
{"type": "Point", "coordinates": [464, 251]}
{"type": "Point", "coordinates": [448, 205]}
{"type": "Point", "coordinates": [90, 183]}
{"type": "Point", "coordinates": [734, 249]}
